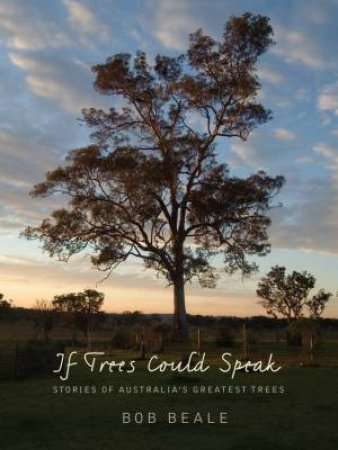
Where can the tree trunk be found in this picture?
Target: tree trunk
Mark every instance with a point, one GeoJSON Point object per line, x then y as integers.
{"type": "Point", "coordinates": [181, 332]}
{"type": "Point", "coordinates": [88, 333]}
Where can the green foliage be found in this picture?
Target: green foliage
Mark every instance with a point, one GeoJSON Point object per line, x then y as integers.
{"type": "Point", "coordinates": [87, 302]}
{"type": "Point", "coordinates": [80, 310]}
{"type": "Point", "coordinates": [318, 303]}
{"type": "Point", "coordinates": [288, 295]}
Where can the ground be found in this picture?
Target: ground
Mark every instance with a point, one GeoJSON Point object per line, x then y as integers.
{"type": "Point", "coordinates": [32, 417]}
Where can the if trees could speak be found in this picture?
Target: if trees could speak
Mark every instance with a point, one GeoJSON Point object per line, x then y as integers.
{"type": "Point", "coordinates": [288, 295]}
{"type": "Point", "coordinates": [150, 184]}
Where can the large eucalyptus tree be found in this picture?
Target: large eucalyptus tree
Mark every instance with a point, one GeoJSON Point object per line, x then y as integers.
{"type": "Point", "coordinates": [150, 185]}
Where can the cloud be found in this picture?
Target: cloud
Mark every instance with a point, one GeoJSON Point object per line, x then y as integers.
{"type": "Point", "coordinates": [17, 176]}
{"type": "Point", "coordinates": [78, 270]}
{"type": "Point", "coordinates": [328, 98]}
{"type": "Point", "coordinates": [172, 22]}
{"type": "Point", "coordinates": [309, 219]}
{"type": "Point", "coordinates": [301, 47]}
{"type": "Point", "coordinates": [310, 225]}
{"type": "Point", "coordinates": [28, 148]}
{"type": "Point", "coordinates": [270, 75]}
{"type": "Point", "coordinates": [58, 91]}
{"type": "Point", "coordinates": [25, 279]}
{"type": "Point", "coordinates": [66, 82]}
{"type": "Point", "coordinates": [83, 20]}
{"type": "Point", "coordinates": [284, 135]}
{"type": "Point", "coordinates": [18, 149]}
{"type": "Point", "coordinates": [329, 153]}
{"type": "Point", "coordinates": [31, 27]}
{"type": "Point", "coordinates": [245, 153]}
{"type": "Point", "coordinates": [29, 63]}
{"type": "Point", "coordinates": [27, 28]}
{"type": "Point", "coordinates": [263, 151]}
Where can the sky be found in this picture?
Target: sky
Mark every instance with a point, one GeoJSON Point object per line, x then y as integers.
{"type": "Point", "coordinates": [47, 51]}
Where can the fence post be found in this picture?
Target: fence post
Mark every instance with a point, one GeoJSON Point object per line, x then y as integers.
{"type": "Point", "coordinates": [199, 346]}
{"type": "Point", "coordinates": [16, 360]}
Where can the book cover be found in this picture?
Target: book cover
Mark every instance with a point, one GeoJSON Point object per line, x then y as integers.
{"type": "Point", "coordinates": [168, 228]}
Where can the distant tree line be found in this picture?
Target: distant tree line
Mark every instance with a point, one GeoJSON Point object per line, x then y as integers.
{"type": "Point", "coordinates": [285, 297]}
{"type": "Point", "coordinates": [129, 318]}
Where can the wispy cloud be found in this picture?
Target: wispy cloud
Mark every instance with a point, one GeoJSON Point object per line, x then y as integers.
{"type": "Point", "coordinates": [83, 20]}
{"type": "Point", "coordinates": [302, 47]}
{"type": "Point", "coordinates": [328, 98]}
{"type": "Point", "coordinates": [284, 135]}
{"type": "Point", "coordinates": [246, 153]}
{"type": "Point", "coordinates": [270, 75]}
{"type": "Point", "coordinates": [26, 27]}
{"type": "Point", "coordinates": [171, 23]}
{"type": "Point", "coordinates": [66, 82]}
{"type": "Point", "coordinates": [327, 151]}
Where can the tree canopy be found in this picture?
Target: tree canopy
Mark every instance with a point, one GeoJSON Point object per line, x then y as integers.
{"type": "Point", "coordinates": [43, 319]}
{"type": "Point", "coordinates": [288, 295]}
{"type": "Point", "coordinates": [150, 184]}
{"type": "Point", "coordinates": [80, 309]}
{"type": "Point", "coordinates": [88, 302]}
{"type": "Point", "coordinates": [5, 306]}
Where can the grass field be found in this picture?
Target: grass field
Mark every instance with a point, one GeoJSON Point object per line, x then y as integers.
{"type": "Point", "coordinates": [32, 417]}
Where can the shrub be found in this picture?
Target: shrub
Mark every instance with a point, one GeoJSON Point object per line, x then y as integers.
{"type": "Point", "coordinates": [123, 339]}
{"type": "Point", "coordinates": [225, 338]}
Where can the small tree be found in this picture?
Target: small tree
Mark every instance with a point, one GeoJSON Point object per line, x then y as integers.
{"type": "Point", "coordinates": [288, 295]}
{"type": "Point", "coordinates": [91, 303]}
{"type": "Point", "coordinates": [80, 309]}
{"type": "Point", "coordinates": [318, 303]}
{"type": "Point", "coordinates": [150, 186]}
{"type": "Point", "coordinates": [43, 320]}
{"type": "Point", "coordinates": [68, 305]}
{"type": "Point", "coordinates": [5, 306]}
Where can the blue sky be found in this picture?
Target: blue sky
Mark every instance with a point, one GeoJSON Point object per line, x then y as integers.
{"type": "Point", "coordinates": [47, 49]}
